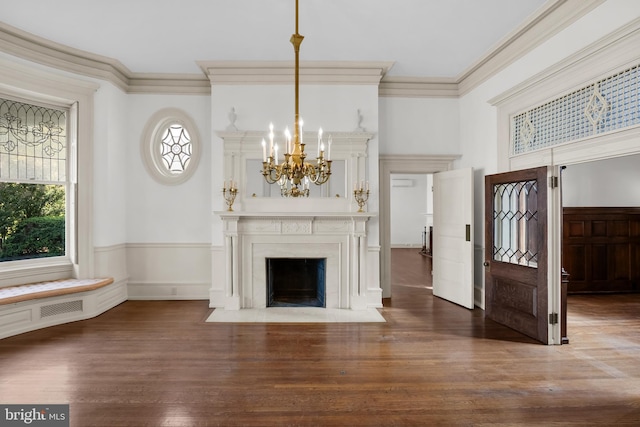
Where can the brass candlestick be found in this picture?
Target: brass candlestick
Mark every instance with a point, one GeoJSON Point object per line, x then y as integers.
{"type": "Point", "coordinates": [229, 195]}
{"type": "Point", "coordinates": [361, 195]}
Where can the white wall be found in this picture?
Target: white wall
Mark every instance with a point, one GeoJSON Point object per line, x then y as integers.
{"type": "Point", "coordinates": [604, 183]}
{"type": "Point", "coordinates": [111, 150]}
{"type": "Point", "coordinates": [158, 213]}
{"type": "Point", "coordinates": [419, 126]}
{"type": "Point", "coordinates": [409, 208]}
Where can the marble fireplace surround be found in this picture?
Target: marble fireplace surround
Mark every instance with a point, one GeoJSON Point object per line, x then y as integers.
{"type": "Point", "coordinates": [341, 238]}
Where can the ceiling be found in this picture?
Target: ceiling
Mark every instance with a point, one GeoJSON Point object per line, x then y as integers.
{"type": "Point", "coordinates": [423, 38]}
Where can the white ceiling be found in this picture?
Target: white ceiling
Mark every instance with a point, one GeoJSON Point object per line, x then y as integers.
{"type": "Point", "coordinates": [424, 38]}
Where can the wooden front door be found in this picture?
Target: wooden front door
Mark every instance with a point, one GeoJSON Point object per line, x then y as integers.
{"type": "Point", "coordinates": [516, 251]}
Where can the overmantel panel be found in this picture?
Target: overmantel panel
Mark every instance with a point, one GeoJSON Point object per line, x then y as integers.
{"type": "Point", "coordinates": [242, 147]}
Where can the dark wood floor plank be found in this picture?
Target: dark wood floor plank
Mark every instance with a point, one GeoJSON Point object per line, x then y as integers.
{"type": "Point", "coordinates": [154, 363]}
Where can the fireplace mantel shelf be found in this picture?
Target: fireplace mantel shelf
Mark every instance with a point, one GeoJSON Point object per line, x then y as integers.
{"type": "Point", "coordinates": [312, 215]}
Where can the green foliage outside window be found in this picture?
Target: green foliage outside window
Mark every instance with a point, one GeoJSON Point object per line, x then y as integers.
{"type": "Point", "coordinates": [32, 222]}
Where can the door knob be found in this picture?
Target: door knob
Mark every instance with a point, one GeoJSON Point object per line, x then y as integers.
{"type": "Point", "coordinates": [486, 263]}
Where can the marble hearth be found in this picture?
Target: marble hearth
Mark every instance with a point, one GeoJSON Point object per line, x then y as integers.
{"type": "Point", "coordinates": [340, 238]}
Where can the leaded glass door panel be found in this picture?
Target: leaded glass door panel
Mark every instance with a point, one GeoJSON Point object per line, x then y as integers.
{"type": "Point", "coordinates": [516, 251]}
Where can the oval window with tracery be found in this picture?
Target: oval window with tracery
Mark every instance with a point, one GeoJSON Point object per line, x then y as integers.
{"type": "Point", "coordinates": [170, 146]}
{"type": "Point", "coordinates": [176, 148]}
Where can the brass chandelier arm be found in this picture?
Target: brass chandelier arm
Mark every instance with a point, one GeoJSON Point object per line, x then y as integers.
{"type": "Point", "coordinates": [271, 172]}
{"type": "Point", "coordinates": [318, 174]}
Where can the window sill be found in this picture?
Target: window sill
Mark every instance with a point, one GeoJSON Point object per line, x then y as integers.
{"type": "Point", "coordinates": [35, 270]}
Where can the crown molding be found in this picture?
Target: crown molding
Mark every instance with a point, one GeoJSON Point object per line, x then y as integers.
{"type": "Point", "coordinates": [550, 19]}
{"type": "Point", "coordinates": [175, 84]}
{"type": "Point", "coordinates": [607, 56]}
{"type": "Point", "coordinates": [28, 46]}
{"type": "Point", "coordinates": [282, 72]}
{"type": "Point", "coordinates": [42, 51]}
{"type": "Point", "coordinates": [415, 87]}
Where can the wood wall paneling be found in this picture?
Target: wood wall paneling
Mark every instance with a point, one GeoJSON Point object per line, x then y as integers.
{"type": "Point", "coordinates": [601, 249]}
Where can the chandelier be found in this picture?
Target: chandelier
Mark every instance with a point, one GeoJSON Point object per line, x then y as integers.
{"type": "Point", "coordinates": [293, 174]}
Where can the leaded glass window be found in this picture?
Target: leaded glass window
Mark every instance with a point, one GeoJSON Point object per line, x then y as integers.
{"type": "Point", "coordinates": [33, 181]}
{"type": "Point", "coordinates": [33, 142]}
{"type": "Point", "coordinates": [607, 105]}
{"type": "Point", "coordinates": [515, 223]}
{"type": "Point", "coordinates": [176, 148]}
{"type": "Point", "coordinates": [170, 146]}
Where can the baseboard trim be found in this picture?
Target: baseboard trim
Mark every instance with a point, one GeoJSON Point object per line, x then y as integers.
{"type": "Point", "coordinates": [168, 291]}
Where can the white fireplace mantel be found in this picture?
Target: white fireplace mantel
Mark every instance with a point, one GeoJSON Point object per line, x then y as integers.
{"type": "Point", "coordinates": [340, 237]}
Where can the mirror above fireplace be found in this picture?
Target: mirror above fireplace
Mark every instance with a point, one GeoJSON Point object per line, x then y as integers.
{"type": "Point", "coordinates": [243, 164]}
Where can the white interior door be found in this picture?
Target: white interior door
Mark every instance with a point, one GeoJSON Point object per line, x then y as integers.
{"type": "Point", "coordinates": [453, 236]}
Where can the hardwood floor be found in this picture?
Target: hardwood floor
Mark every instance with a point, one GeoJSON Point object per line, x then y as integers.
{"type": "Point", "coordinates": [157, 363]}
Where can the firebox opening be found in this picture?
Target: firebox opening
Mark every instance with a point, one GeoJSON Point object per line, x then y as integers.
{"type": "Point", "coordinates": [296, 282]}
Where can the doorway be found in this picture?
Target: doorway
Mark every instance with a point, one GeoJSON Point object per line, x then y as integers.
{"type": "Point", "coordinates": [599, 250]}
{"type": "Point", "coordinates": [411, 216]}
{"type": "Point", "coordinates": [411, 207]}
{"type": "Point", "coordinates": [400, 164]}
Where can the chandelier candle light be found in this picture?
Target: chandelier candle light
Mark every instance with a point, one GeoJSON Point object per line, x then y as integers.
{"type": "Point", "coordinates": [229, 194]}
{"type": "Point", "coordinates": [294, 174]}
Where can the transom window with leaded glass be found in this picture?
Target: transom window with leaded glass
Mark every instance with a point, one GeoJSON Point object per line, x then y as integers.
{"type": "Point", "coordinates": [606, 105]}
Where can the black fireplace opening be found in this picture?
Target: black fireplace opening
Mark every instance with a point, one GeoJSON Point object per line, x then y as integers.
{"type": "Point", "coordinates": [296, 282]}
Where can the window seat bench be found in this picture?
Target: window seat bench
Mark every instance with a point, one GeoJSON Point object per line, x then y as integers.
{"type": "Point", "coordinates": [34, 306]}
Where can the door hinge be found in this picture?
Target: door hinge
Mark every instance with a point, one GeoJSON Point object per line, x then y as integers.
{"type": "Point", "coordinates": [553, 318]}
{"type": "Point", "coordinates": [553, 182]}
